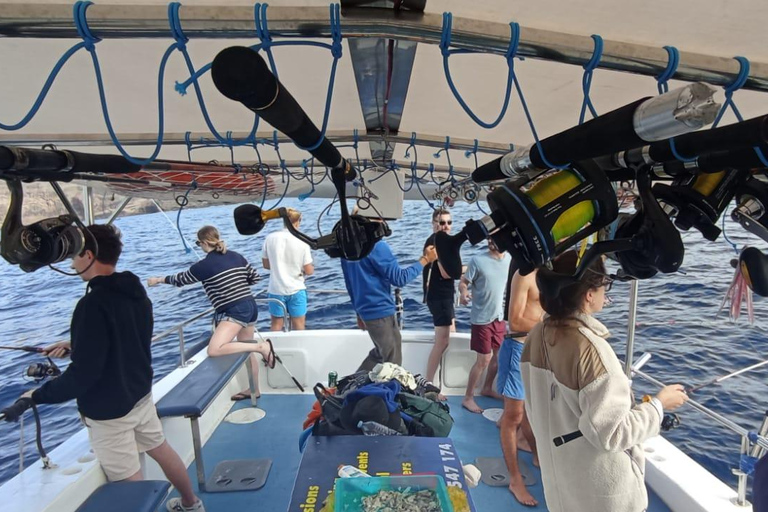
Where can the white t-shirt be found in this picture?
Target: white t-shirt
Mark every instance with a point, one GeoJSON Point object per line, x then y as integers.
{"type": "Point", "coordinates": [287, 256]}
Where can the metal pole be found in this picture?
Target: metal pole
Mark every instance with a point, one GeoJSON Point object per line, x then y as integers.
{"type": "Point", "coordinates": [761, 440]}
{"type": "Point", "coordinates": [182, 356]}
{"type": "Point", "coordinates": [251, 382]}
{"type": "Point", "coordinates": [87, 205]}
{"type": "Point", "coordinates": [197, 444]}
{"type": "Point", "coordinates": [21, 443]}
{"type": "Point", "coordinates": [20, 20]}
{"type": "Point", "coordinates": [758, 451]}
{"type": "Point", "coordinates": [631, 328]}
{"type": "Point", "coordinates": [179, 139]}
{"type": "Point", "coordinates": [119, 209]}
{"type": "Point", "coordinates": [741, 488]}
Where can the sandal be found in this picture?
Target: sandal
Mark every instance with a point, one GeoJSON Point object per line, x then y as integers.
{"type": "Point", "coordinates": [271, 356]}
{"type": "Point", "coordinates": [243, 395]}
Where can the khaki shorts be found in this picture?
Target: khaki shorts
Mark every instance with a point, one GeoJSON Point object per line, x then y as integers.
{"type": "Point", "coordinates": [118, 442]}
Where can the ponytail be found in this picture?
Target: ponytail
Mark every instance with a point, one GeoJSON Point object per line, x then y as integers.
{"type": "Point", "coordinates": [210, 235]}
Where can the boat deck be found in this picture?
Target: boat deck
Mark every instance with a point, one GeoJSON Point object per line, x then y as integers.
{"type": "Point", "coordinates": [277, 437]}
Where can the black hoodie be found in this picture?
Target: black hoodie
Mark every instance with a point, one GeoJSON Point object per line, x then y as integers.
{"type": "Point", "coordinates": [111, 366]}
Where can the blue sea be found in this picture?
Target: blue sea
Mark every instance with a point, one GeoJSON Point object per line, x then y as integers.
{"type": "Point", "coordinates": [677, 320]}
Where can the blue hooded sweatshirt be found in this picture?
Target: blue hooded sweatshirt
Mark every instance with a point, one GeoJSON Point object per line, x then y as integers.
{"type": "Point", "coordinates": [369, 281]}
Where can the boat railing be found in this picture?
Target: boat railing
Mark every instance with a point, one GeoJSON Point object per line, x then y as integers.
{"type": "Point", "coordinates": [179, 328]}
{"type": "Point", "coordinates": [753, 444]}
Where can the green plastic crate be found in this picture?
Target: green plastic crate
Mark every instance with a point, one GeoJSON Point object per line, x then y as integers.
{"type": "Point", "coordinates": [349, 492]}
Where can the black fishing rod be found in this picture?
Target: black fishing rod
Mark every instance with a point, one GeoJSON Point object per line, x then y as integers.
{"type": "Point", "coordinates": [728, 376]}
{"type": "Point", "coordinates": [29, 348]}
{"type": "Point", "coordinates": [25, 348]}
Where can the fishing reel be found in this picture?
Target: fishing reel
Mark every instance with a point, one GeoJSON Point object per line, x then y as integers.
{"type": "Point", "coordinates": [670, 421]}
{"type": "Point", "coordinates": [697, 200]}
{"type": "Point", "coordinates": [42, 243]}
{"type": "Point", "coordinates": [37, 372]}
{"type": "Point", "coordinates": [536, 219]}
{"type": "Point", "coordinates": [351, 244]}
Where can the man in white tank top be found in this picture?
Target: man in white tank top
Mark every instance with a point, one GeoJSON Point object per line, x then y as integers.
{"type": "Point", "coordinates": [288, 259]}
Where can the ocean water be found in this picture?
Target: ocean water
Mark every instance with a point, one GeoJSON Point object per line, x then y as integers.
{"type": "Point", "coordinates": [677, 320]}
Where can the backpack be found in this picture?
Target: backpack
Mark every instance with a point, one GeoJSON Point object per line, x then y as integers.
{"type": "Point", "coordinates": [435, 415]}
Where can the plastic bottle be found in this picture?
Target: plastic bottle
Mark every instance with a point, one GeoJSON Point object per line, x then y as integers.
{"type": "Point", "coordinates": [371, 428]}
{"type": "Point", "coordinates": [351, 472]}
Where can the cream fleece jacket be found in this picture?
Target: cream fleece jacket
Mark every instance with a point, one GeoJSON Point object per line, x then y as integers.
{"type": "Point", "coordinates": [574, 382]}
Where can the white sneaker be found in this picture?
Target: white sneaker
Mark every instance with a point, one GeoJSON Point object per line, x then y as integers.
{"type": "Point", "coordinates": [174, 505]}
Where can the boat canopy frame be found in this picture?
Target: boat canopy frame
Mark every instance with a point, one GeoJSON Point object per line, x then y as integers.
{"type": "Point", "coordinates": [54, 21]}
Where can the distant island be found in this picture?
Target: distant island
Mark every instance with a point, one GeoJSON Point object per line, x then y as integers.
{"type": "Point", "coordinates": [40, 201]}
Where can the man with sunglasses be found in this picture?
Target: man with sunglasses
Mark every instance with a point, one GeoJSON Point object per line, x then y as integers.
{"type": "Point", "coordinates": [439, 293]}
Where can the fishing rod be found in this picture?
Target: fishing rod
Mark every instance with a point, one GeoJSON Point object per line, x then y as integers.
{"type": "Point", "coordinates": [25, 348]}
{"type": "Point", "coordinates": [29, 348]}
{"type": "Point", "coordinates": [277, 358]}
{"type": "Point", "coordinates": [733, 374]}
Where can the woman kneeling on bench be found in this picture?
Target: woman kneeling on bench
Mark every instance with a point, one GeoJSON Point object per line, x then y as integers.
{"type": "Point", "coordinates": [227, 278]}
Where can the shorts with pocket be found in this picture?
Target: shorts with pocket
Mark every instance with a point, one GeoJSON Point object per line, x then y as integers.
{"type": "Point", "coordinates": [242, 313]}
{"type": "Point", "coordinates": [117, 443]}
{"type": "Point", "coordinates": [510, 380]}
{"type": "Point", "coordinates": [442, 312]}
{"type": "Point", "coordinates": [295, 303]}
{"type": "Point", "coordinates": [486, 338]}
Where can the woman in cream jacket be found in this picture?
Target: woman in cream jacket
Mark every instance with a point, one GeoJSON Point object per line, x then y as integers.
{"type": "Point", "coordinates": [579, 402]}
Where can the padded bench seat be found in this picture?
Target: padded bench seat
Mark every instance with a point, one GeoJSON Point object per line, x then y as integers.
{"type": "Point", "coordinates": [192, 396]}
{"type": "Point", "coordinates": [140, 496]}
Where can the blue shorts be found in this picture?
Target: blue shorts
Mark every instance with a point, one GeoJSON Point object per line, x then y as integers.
{"type": "Point", "coordinates": [242, 313]}
{"type": "Point", "coordinates": [510, 381]}
{"type": "Point", "coordinates": [296, 304]}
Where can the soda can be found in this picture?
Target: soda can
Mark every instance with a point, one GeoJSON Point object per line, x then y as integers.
{"type": "Point", "coordinates": [332, 379]}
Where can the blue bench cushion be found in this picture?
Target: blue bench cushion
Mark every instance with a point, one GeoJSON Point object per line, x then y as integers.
{"type": "Point", "coordinates": [141, 496]}
{"type": "Point", "coordinates": [193, 395]}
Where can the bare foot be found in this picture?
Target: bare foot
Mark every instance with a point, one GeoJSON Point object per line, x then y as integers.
{"type": "Point", "coordinates": [522, 442]}
{"type": "Point", "coordinates": [441, 397]}
{"type": "Point", "coordinates": [522, 495]}
{"type": "Point", "coordinates": [470, 405]}
{"type": "Point", "coordinates": [491, 393]}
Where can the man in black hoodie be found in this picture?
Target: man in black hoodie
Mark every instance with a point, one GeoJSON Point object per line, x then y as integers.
{"type": "Point", "coordinates": [111, 370]}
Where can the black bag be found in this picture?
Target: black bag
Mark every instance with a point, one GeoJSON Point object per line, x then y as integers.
{"type": "Point", "coordinates": [330, 406]}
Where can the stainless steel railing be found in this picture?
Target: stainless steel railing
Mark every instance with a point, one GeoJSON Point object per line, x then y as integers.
{"type": "Point", "coordinates": [748, 446]}
{"type": "Point", "coordinates": [179, 328]}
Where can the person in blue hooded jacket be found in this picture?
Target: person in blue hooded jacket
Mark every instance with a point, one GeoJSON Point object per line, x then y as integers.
{"type": "Point", "coordinates": [369, 283]}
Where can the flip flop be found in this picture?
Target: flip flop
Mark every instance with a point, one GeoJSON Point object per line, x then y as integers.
{"type": "Point", "coordinates": [271, 355]}
{"type": "Point", "coordinates": [243, 395]}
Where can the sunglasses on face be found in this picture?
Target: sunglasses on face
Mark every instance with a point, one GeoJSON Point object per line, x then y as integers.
{"type": "Point", "coordinates": [198, 243]}
{"type": "Point", "coordinates": [444, 222]}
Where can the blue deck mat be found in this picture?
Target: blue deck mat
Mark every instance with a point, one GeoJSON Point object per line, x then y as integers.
{"type": "Point", "coordinates": [276, 437]}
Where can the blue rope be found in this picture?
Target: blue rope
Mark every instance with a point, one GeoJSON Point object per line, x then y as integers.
{"type": "Point", "coordinates": [734, 86]}
{"type": "Point", "coordinates": [527, 112]}
{"type": "Point", "coordinates": [586, 79]}
{"type": "Point", "coordinates": [725, 235]}
{"type": "Point", "coordinates": [747, 463]}
{"type": "Point", "coordinates": [468, 153]}
{"type": "Point", "coordinates": [672, 63]}
{"type": "Point", "coordinates": [336, 51]}
{"type": "Point", "coordinates": [445, 43]}
{"type": "Point", "coordinates": [262, 32]}
{"type": "Point", "coordinates": [89, 42]}
{"type": "Point", "coordinates": [184, 202]}
{"type": "Point", "coordinates": [678, 155]}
